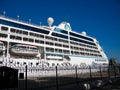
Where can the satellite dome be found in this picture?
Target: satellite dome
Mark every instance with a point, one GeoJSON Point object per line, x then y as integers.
{"type": "Point", "coordinates": [50, 21]}
{"type": "Point", "coordinates": [65, 26]}
{"type": "Point", "coordinates": [84, 33]}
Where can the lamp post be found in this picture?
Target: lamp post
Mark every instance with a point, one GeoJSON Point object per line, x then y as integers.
{"type": "Point", "coordinates": [18, 17]}
{"type": "Point", "coordinates": [40, 23]}
{"type": "Point", "coordinates": [4, 12]}
{"type": "Point", "coordinates": [29, 21]}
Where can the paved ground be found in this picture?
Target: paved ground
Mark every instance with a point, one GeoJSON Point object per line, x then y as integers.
{"type": "Point", "coordinates": [74, 86]}
{"type": "Point", "coordinates": [114, 85]}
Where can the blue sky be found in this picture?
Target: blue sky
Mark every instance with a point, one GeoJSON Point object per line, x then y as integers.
{"type": "Point", "coordinates": [99, 18]}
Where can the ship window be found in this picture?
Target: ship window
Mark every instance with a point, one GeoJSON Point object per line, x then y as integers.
{"type": "Point", "coordinates": [18, 38]}
{"type": "Point", "coordinates": [25, 33]}
{"type": "Point", "coordinates": [60, 35]}
{"type": "Point", "coordinates": [3, 35]}
{"type": "Point", "coordinates": [36, 35]}
{"type": "Point", "coordinates": [39, 41]}
{"type": "Point", "coordinates": [12, 37]}
{"type": "Point", "coordinates": [50, 38]}
{"type": "Point", "coordinates": [65, 46]}
{"type": "Point", "coordinates": [1, 44]}
{"type": "Point", "coordinates": [64, 41]}
{"type": "Point", "coordinates": [65, 51]}
{"type": "Point", "coordinates": [36, 41]}
{"type": "Point", "coordinates": [41, 36]}
{"type": "Point", "coordinates": [50, 49]}
{"type": "Point", "coordinates": [82, 41]}
{"type": "Point", "coordinates": [42, 42]}
{"type": "Point", "coordinates": [24, 63]}
{"type": "Point", "coordinates": [41, 31]}
{"type": "Point", "coordinates": [4, 28]}
{"type": "Point", "coordinates": [56, 44]}
{"type": "Point", "coordinates": [12, 30]}
{"type": "Point", "coordinates": [47, 43]}
{"type": "Point", "coordinates": [20, 32]}
{"type": "Point", "coordinates": [32, 34]}
{"type": "Point", "coordinates": [31, 40]}
{"type": "Point", "coordinates": [71, 52]}
{"type": "Point", "coordinates": [71, 47]}
{"type": "Point", "coordinates": [80, 36]}
{"type": "Point", "coordinates": [25, 39]}
{"type": "Point", "coordinates": [60, 30]}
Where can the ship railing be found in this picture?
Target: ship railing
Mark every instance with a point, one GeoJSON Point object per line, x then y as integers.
{"type": "Point", "coordinates": [18, 20]}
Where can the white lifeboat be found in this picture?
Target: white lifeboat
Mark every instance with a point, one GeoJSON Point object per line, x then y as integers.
{"type": "Point", "coordinates": [2, 47]}
{"type": "Point", "coordinates": [24, 49]}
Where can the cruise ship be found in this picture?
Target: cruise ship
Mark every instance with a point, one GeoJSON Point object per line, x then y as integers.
{"type": "Point", "coordinates": [24, 43]}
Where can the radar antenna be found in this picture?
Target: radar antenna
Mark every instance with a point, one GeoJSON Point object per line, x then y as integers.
{"type": "Point", "coordinates": [50, 21]}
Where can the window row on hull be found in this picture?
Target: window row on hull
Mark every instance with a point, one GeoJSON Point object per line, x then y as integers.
{"type": "Point", "coordinates": [57, 43]}
{"type": "Point", "coordinates": [81, 53]}
{"type": "Point", "coordinates": [77, 44]}
{"type": "Point", "coordinates": [76, 53]}
{"type": "Point", "coordinates": [23, 32]}
{"type": "Point", "coordinates": [33, 34]}
{"type": "Point", "coordinates": [41, 30]}
{"type": "Point", "coordinates": [17, 31]}
{"type": "Point", "coordinates": [82, 41]}
{"type": "Point", "coordinates": [59, 35]}
{"type": "Point", "coordinates": [80, 36]}
{"type": "Point", "coordinates": [84, 49]}
{"type": "Point", "coordinates": [51, 43]}
{"type": "Point", "coordinates": [85, 54]}
{"type": "Point", "coordinates": [17, 25]}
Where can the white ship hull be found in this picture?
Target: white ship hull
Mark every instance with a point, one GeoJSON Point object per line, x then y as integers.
{"type": "Point", "coordinates": [27, 44]}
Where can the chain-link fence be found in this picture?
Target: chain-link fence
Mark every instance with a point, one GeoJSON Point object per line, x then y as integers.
{"type": "Point", "coordinates": [58, 78]}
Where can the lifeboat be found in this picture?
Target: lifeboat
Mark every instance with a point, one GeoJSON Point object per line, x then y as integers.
{"type": "Point", "coordinates": [2, 47]}
{"type": "Point", "coordinates": [22, 49]}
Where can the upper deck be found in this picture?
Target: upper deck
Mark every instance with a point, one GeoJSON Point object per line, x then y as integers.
{"type": "Point", "coordinates": [59, 39]}
{"type": "Point", "coordinates": [63, 30]}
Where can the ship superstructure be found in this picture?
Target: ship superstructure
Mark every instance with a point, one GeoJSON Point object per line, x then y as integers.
{"type": "Point", "coordinates": [24, 43]}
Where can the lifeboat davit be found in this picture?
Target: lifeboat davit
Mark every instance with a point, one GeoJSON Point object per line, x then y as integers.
{"type": "Point", "coordinates": [22, 49]}
{"type": "Point", "coordinates": [2, 47]}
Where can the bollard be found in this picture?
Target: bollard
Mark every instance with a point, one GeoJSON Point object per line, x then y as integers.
{"type": "Point", "coordinates": [100, 73]}
{"type": "Point", "coordinates": [26, 77]}
{"type": "Point", "coordinates": [76, 73]}
{"type": "Point", "coordinates": [57, 87]}
{"type": "Point", "coordinates": [90, 74]}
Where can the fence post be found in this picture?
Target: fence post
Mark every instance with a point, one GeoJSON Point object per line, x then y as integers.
{"type": "Point", "coordinates": [100, 73]}
{"type": "Point", "coordinates": [119, 69]}
{"type": "Point", "coordinates": [115, 71]}
{"type": "Point", "coordinates": [90, 74]}
{"type": "Point", "coordinates": [76, 74]}
{"type": "Point", "coordinates": [109, 72]}
{"type": "Point", "coordinates": [57, 87]}
{"type": "Point", "coordinates": [26, 77]}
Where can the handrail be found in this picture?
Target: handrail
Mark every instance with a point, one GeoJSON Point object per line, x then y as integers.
{"type": "Point", "coordinates": [18, 20]}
